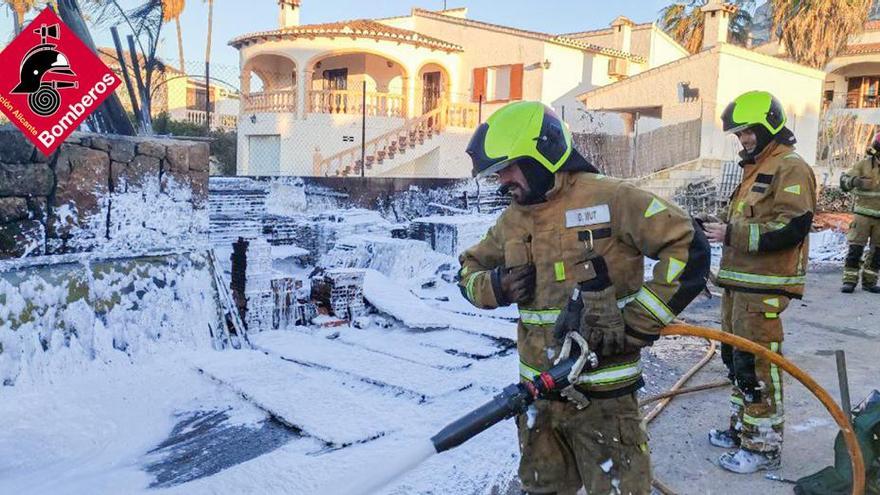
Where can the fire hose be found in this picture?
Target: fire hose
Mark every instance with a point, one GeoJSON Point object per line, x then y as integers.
{"type": "Point", "coordinates": [852, 445]}
{"type": "Point", "coordinates": [516, 398]}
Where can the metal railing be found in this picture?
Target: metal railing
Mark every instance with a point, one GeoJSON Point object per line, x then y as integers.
{"type": "Point", "coordinates": [277, 101]}
{"type": "Point", "coordinates": [348, 101]}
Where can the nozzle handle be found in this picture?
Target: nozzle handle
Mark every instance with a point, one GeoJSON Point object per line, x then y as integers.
{"type": "Point", "coordinates": [512, 401]}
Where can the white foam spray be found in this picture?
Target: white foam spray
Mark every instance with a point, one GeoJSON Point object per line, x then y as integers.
{"type": "Point", "coordinates": [385, 470]}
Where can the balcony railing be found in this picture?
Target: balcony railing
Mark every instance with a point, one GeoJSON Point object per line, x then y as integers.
{"type": "Point", "coordinates": [462, 115]}
{"type": "Point", "coordinates": [413, 132]}
{"type": "Point", "coordinates": [351, 102]}
{"type": "Point", "coordinates": [218, 121]}
{"type": "Point", "coordinates": [278, 101]}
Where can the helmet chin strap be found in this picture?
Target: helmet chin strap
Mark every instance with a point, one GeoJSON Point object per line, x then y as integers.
{"type": "Point", "coordinates": [539, 179]}
{"type": "Point", "coordinates": [762, 139]}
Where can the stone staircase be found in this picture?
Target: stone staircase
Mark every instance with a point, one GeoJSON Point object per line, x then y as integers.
{"type": "Point", "coordinates": [386, 151]}
{"type": "Point", "coordinates": [385, 147]}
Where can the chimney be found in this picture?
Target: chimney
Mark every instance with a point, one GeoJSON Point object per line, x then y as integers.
{"type": "Point", "coordinates": [622, 29]}
{"type": "Point", "coordinates": [716, 19]}
{"type": "Point", "coordinates": [289, 13]}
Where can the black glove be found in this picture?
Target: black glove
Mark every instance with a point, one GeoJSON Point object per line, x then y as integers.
{"type": "Point", "coordinates": [517, 284]}
{"type": "Point", "coordinates": [601, 322]}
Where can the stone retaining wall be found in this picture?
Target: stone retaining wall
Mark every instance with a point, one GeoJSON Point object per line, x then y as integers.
{"type": "Point", "coordinates": [100, 192]}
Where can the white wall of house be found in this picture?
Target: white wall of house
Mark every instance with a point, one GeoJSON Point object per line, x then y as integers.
{"type": "Point", "coordinates": [660, 88]}
{"type": "Point", "coordinates": [354, 62]}
{"type": "Point", "coordinates": [484, 48]}
{"type": "Point", "coordinates": [176, 97]}
{"type": "Point", "coordinates": [403, 22]}
{"type": "Point", "coordinates": [720, 74]}
{"type": "Point", "coordinates": [273, 72]}
{"type": "Point", "coordinates": [865, 37]}
{"type": "Point", "coordinates": [373, 69]}
{"type": "Point", "coordinates": [797, 87]}
{"type": "Point", "coordinates": [446, 158]}
{"type": "Point", "coordinates": [427, 165]}
{"type": "Point", "coordinates": [383, 75]}
{"type": "Point", "coordinates": [663, 49]}
{"type": "Point", "coordinates": [571, 73]}
{"type": "Point", "coordinates": [300, 139]}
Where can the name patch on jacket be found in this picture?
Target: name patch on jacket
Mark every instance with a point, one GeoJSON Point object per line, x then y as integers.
{"type": "Point", "coordinates": [587, 216]}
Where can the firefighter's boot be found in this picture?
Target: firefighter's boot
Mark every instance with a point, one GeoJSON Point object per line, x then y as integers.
{"type": "Point", "coordinates": [851, 268]}
{"type": "Point", "coordinates": [726, 439]}
{"type": "Point", "coordinates": [745, 461]}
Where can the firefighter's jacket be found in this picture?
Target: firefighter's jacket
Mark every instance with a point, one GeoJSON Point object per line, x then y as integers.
{"type": "Point", "coordinates": [626, 224]}
{"type": "Point", "coordinates": [867, 200]}
{"type": "Point", "coordinates": [766, 247]}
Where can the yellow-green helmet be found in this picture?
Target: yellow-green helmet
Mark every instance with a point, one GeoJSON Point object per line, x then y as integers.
{"type": "Point", "coordinates": [751, 109]}
{"type": "Point", "coordinates": [524, 129]}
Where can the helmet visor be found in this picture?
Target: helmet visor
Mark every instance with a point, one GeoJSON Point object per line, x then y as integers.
{"type": "Point", "coordinates": [739, 128]}
{"type": "Point", "coordinates": [494, 169]}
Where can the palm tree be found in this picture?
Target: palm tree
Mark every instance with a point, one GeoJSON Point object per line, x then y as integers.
{"type": "Point", "coordinates": [813, 32]}
{"type": "Point", "coordinates": [683, 20]}
{"type": "Point", "coordinates": [19, 8]}
{"type": "Point", "coordinates": [171, 10]}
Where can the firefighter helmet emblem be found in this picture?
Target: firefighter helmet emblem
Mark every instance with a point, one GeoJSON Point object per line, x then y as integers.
{"type": "Point", "coordinates": [41, 60]}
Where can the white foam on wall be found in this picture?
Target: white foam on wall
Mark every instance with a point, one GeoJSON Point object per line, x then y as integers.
{"type": "Point", "coordinates": [61, 319]}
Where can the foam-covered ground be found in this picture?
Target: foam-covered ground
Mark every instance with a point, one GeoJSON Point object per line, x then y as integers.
{"type": "Point", "coordinates": [109, 405]}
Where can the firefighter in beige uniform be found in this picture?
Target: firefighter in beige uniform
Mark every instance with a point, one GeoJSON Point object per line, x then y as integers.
{"type": "Point", "coordinates": [763, 266]}
{"type": "Point", "coordinates": [533, 256]}
{"type": "Point", "coordinates": [863, 179]}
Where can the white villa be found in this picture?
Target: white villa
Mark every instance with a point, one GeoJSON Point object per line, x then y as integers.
{"type": "Point", "coordinates": [430, 77]}
{"type": "Point", "coordinates": [691, 93]}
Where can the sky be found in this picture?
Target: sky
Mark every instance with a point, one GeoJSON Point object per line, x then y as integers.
{"type": "Point", "coordinates": [236, 17]}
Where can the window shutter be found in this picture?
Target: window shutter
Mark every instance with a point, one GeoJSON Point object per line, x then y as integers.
{"type": "Point", "coordinates": [516, 82]}
{"type": "Point", "coordinates": [479, 90]}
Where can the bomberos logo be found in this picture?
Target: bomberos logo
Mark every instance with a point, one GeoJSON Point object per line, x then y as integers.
{"type": "Point", "coordinates": [38, 65]}
{"type": "Point", "coordinates": [51, 81]}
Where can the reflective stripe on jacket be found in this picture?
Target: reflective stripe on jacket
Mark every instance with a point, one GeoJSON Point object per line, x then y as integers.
{"type": "Point", "coordinates": [625, 224]}
{"type": "Point", "coordinates": [767, 244]}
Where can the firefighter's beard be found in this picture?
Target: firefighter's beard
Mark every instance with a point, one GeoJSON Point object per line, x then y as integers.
{"type": "Point", "coordinates": [517, 192]}
{"type": "Point", "coordinates": [514, 183]}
